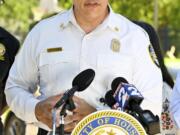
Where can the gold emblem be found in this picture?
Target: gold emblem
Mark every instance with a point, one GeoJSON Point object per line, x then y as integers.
{"type": "Point", "coordinates": [116, 29]}
{"type": "Point", "coordinates": [2, 52]}
{"type": "Point", "coordinates": [109, 122]}
{"type": "Point", "coordinates": [111, 132]}
{"type": "Point", "coordinates": [2, 49]}
{"type": "Point", "coordinates": [115, 45]}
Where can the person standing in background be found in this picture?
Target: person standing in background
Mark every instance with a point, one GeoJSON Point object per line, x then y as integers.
{"type": "Point", "coordinates": [9, 46]}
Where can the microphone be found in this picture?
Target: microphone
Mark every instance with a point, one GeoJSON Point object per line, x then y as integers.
{"type": "Point", "coordinates": [115, 83]}
{"type": "Point", "coordinates": [80, 83]}
{"type": "Point", "coordinates": [121, 94]}
{"type": "Point", "coordinates": [126, 94]}
{"type": "Point", "coordinates": [109, 99]}
{"type": "Point", "coordinates": [126, 97]}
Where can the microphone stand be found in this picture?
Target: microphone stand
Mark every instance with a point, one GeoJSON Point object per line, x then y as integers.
{"type": "Point", "coordinates": [69, 105]}
{"type": "Point", "coordinates": [62, 115]}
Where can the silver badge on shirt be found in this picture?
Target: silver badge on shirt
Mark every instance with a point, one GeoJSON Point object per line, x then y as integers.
{"type": "Point", "coordinates": [115, 45]}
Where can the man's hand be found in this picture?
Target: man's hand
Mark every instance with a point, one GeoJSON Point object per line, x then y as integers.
{"type": "Point", "coordinates": [82, 109]}
{"type": "Point", "coordinates": [43, 110]}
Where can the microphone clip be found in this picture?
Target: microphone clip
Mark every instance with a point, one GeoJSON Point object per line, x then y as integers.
{"type": "Point", "coordinates": [102, 100]}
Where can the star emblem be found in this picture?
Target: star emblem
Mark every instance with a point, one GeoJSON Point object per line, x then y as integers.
{"type": "Point", "coordinates": [111, 132]}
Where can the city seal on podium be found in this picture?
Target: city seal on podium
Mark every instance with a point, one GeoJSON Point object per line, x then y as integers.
{"type": "Point", "coordinates": [109, 122]}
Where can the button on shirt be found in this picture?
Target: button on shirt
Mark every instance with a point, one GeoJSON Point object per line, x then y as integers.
{"type": "Point", "coordinates": [54, 70]}
{"type": "Point", "coordinates": [175, 102]}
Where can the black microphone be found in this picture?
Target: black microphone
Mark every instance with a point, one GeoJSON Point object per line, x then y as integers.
{"type": "Point", "coordinates": [80, 83]}
{"type": "Point", "coordinates": [148, 120]}
{"type": "Point", "coordinates": [122, 94]}
{"type": "Point", "coordinates": [115, 83]}
{"type": "Point", "coordinates": [109, 99]}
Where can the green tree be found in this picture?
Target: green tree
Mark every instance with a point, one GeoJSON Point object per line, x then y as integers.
{"type": "Point", "coordinates": [168, 17]}
{"type": "Point", "coordinates": [16, 15]}
{"type": "Point", "coordinates": [66, 4]}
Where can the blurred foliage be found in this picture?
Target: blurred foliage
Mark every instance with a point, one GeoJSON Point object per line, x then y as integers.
{"type": "Point", "coordinates": [174, 63]}
{"type": "Point", "coordinates": [17, 15]}
{"type": "Point", "coordinates": [168, 17]}
{"type": "Point", "coordinates": [65, 3]}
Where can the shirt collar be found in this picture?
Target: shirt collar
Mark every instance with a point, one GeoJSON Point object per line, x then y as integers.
{"type": "Point", "coordinates": [112, 22]}
{"type": "Point", "coordinates": [70, 18]}
{"type": "Point", "coordinates": [109, 22]}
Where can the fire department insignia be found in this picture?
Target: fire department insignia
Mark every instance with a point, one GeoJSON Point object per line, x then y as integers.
{"type": "Point", "coordinates": [115, 45]}
{"type": "Point", "coordinates": [2, 51]}
{"type": "Point", "coordinates": [109, 122]}
{"type": "Point", "coordinates": [153, 55]}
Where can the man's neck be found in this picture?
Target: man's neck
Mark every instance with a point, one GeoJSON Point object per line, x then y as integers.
{"type": "Point", "coordinates": [88, 23]}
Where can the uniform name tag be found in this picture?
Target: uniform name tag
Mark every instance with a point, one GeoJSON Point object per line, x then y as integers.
{"type": "Point", "coordinates": [57, 49]}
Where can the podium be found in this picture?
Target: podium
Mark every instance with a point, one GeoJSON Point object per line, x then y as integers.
{"type": "Point", "coordinates": [109, 122]}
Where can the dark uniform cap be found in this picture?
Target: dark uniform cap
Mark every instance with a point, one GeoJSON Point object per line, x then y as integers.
{"type": "Point", "coordinates": [9, 46]}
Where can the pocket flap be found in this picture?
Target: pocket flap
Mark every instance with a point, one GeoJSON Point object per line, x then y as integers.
{"type": "Point", "coordinates": [56, 57]}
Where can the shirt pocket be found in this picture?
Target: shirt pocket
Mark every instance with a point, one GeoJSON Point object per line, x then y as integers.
{"type": "Point", "coordinates": [55, 68]}
{"type": "Point", "coordinates": [115, 65]}
{"type": "Point", "coordinates": [55, 58]}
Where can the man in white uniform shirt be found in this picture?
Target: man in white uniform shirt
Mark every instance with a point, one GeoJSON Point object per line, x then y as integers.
{"type": "Point", "coordinates": [89, 35]}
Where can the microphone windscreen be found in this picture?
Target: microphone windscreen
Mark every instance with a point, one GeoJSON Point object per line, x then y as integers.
{"type": "Point", "coordinates": [83, 79]}
{"type": "Point", "coordinates": [115, 83]}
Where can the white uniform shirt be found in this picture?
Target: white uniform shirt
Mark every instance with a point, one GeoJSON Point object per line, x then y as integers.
{"type": "Point", "coordinates": [175, 102]}
{"type": "Point", "coordinates": [54, 71]}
